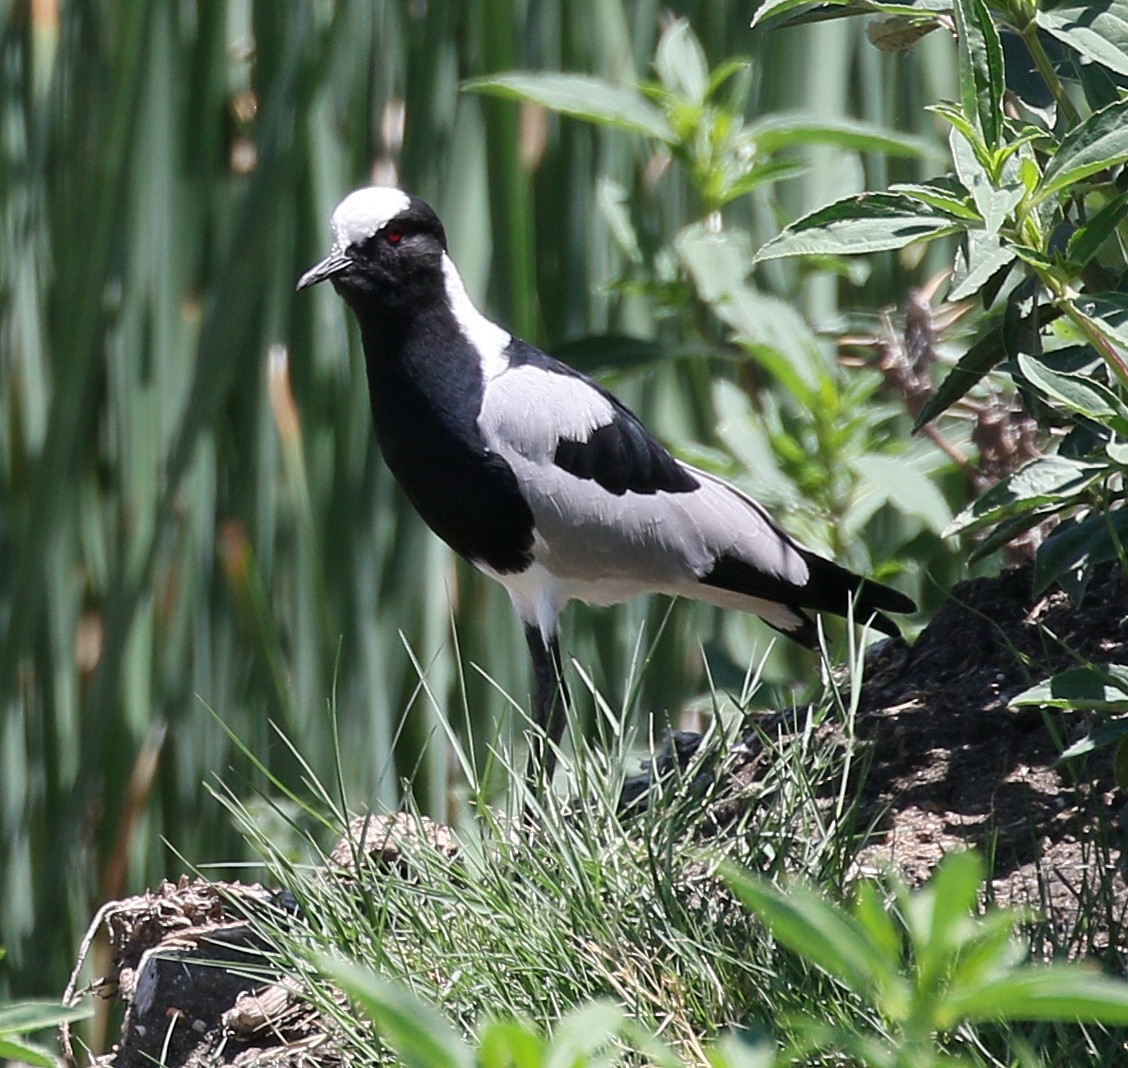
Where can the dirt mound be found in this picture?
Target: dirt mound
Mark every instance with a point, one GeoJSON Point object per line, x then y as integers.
{"type": "Point", "coordinates": [953, 765]}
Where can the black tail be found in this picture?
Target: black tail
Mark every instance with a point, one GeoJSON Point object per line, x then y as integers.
{"type": "Point", "coordinates": [829, 588]}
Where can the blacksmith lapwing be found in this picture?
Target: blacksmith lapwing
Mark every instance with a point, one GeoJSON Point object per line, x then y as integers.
{"type": "Point", "coordinates": [540, 477]}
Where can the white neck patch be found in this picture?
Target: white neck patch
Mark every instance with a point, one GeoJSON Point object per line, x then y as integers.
{"type": "Point", "coordinates": [364, 212]}
{"type": "Point", "coordinates": [486, 336]}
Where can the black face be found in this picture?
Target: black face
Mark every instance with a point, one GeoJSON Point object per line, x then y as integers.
{"type": "Point", "coordinates": [398, 266]}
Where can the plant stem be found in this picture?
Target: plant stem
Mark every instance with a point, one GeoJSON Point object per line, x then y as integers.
{"type": "Point", "coordinates": [1049, 75]}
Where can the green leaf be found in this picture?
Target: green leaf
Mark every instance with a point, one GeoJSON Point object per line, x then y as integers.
{"type": "Point", "coordinates": [895, 480]}
{"type": "Point", "coordinates": [681, 64]}
{"type": "Point", "coordinates": [986, 255]}
{"type": "Point", "coordinates": [822, 933]}
{"type": "Point", "coordinates": [583, 1033]}
{"type": "Point", "coordinates": [24, 1017]}
{"type": "Point", "coordinates": [920, 10]}
{"type": "Point", "coordinates": [1064, 992]}
{"type": "Point", "coordinates": [510, 1044]}
{"type": "Point", "coordinates": [18, 1052]}
{"type": "Point", "coordinates": [1120, 761]}
{"type": "Point", "coordinates": [771, 9]}
{"type": "Point", "coordinates": [1091, 688]}
{"type": "Point", "coordinates": [871, 912]}
{"type": "Point", "coordinates": [1099, 143]}
{"type": "Point", "coordinates": [995, 195]}
{"type": "Point", "coordinates": [1107, 734]}
{"type": "Point", "coordinates": [785, 131]}
{"type": "Point", "coordinates": [945, 195]}
{"type": "Point", "coordinates": [717, 260]}
{"type": "Point", "coordinates": [870, 222]}
{"type": "Point", "coordinates": [1079, 546]}
{"type": "Point", "coordinates": [735, 1051]}
{"type": "Point", "coordinates": [1081, 394]}
{"type": "Point", "coordinates": [982, 80]}
{"type": "Point", "coordinates": [1048, 482]}
{"type": "Point", "coordinates": [1008, 530]}
{"type": "Point", "coordinates": [979, 360]}
{"type": "Point", "coordinates": [580, 97]}
{"type": "Point", "coordinates": [1087, 239]}
{"type": "Point", "coordinates": [1098, 31]}
{"type": "Point", "coordinates": [413, 1030]}
{"type": "Point", "coordinates": [939, 917]}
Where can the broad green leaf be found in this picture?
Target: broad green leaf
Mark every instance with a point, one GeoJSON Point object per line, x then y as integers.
{"type": "Point", "coordinates": [985, 256]}
{"type": "Point", "coordinates": [1111, 733]}
{"type": "Point", "coordinates": [681, 64]}
{"type": "Point", "coordinates": [24, 1017]}
{"type": "Point", "coordinates": [870, 222]}
{"type": "Point", "coordinates": [1009, 529]}
{"type": "Point", "coordinates": [716, 260]}
{"type": "Point", "coordinates": [1065, 992]}
{"type": "Point", "coordinates": [982, 80]}
{"type": "Point", "coordinates": [939, 916]}
{"type": "Point", "coordinates": [418, 1035]}
{"type": "Point", "coordinates": [1100, 142]}
{"type": "Point", "coordinates": [871, 911]}
{"type": "Point", "coordinates": [990, 949]}
{"type": "Point", "coordinates": [776, 8]}
{"type": "Point", "coordinates": [945, 195]}
{"type": "Point", "coordinates": [995, 198]}
{"type": "Point", "coordinates": [1099, 31]}
{"type": "Point", "coordinates": [784, 131]}
{"type": "Point", "coordinates": [1078, 546]}
{"type": "Point", "coordinates": [1048, 481]}
{"type": "Point", "coordinates": [583, 1033]}
{"type": "Point", "coordinates": [778, 338]}
{"type": "Point", "coordinates": [770, 170]}
{"type": "Point", "coordinates": [1092, 688]}
{"type": "Point", "coordinates": [895, 480]}
{"type": "Point", "coordinates": [1087, 239]}
{"type": "Point", "coordinates": [580, 97]}
{"type": "Point", "coordinates": [811, 926]}
{"type": "Point", "coordinates": [734, 1051]}
{"type": "Point", "coordinates": [979, 360]}
{"type": "Point", "coordinates": [1081, 394]}
{"type": "Point", "coordinates": [510, 1044]}
{"type": "Point", "coordinates": [13, 1051]}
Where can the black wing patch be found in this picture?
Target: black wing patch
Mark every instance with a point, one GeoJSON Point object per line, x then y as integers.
{"type": "Point", "coordinates": [621, 456]}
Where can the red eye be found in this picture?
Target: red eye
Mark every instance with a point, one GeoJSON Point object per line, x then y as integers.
{"type": "Point", "coordinates": [393, 234]}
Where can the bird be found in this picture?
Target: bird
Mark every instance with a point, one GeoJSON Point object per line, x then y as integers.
{"type": "Point", "coordinates": [542, 479]}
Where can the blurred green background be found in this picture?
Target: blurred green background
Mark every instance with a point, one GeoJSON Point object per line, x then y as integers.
{"type": "Point", "coordinates": [195, 524]}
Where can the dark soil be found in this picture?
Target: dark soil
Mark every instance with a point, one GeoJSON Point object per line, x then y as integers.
{"type": "Point", "coordinates": [950, 765]}
{"type": "Point", "coordinates": [953, 765]}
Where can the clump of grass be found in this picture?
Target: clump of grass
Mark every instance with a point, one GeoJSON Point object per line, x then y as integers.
{"type": "Point", "coordinates": [584, 900]}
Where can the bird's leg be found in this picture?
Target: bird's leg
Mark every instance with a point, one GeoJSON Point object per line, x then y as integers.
{"type": "Point", "coordinates": [550, 702]}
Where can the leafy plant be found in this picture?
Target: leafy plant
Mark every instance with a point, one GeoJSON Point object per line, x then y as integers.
{"type": "Point", "coordinates": [924, 965]}
{"type": "Point", "coordinates": [421, 1038]}
{"type": "Point", "coordinates": [18, 1019]}
{"type": "Point", "coordinates": [1100, 688]}
{"type": "Point", "coordinates": [1036, 197]}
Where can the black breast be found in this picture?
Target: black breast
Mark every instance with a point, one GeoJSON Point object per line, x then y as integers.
{"type": "Point", "coordinates": [425, 385]}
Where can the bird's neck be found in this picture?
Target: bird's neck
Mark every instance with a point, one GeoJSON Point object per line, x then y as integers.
{"type": "Point", "coordinates": [438, 334]}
